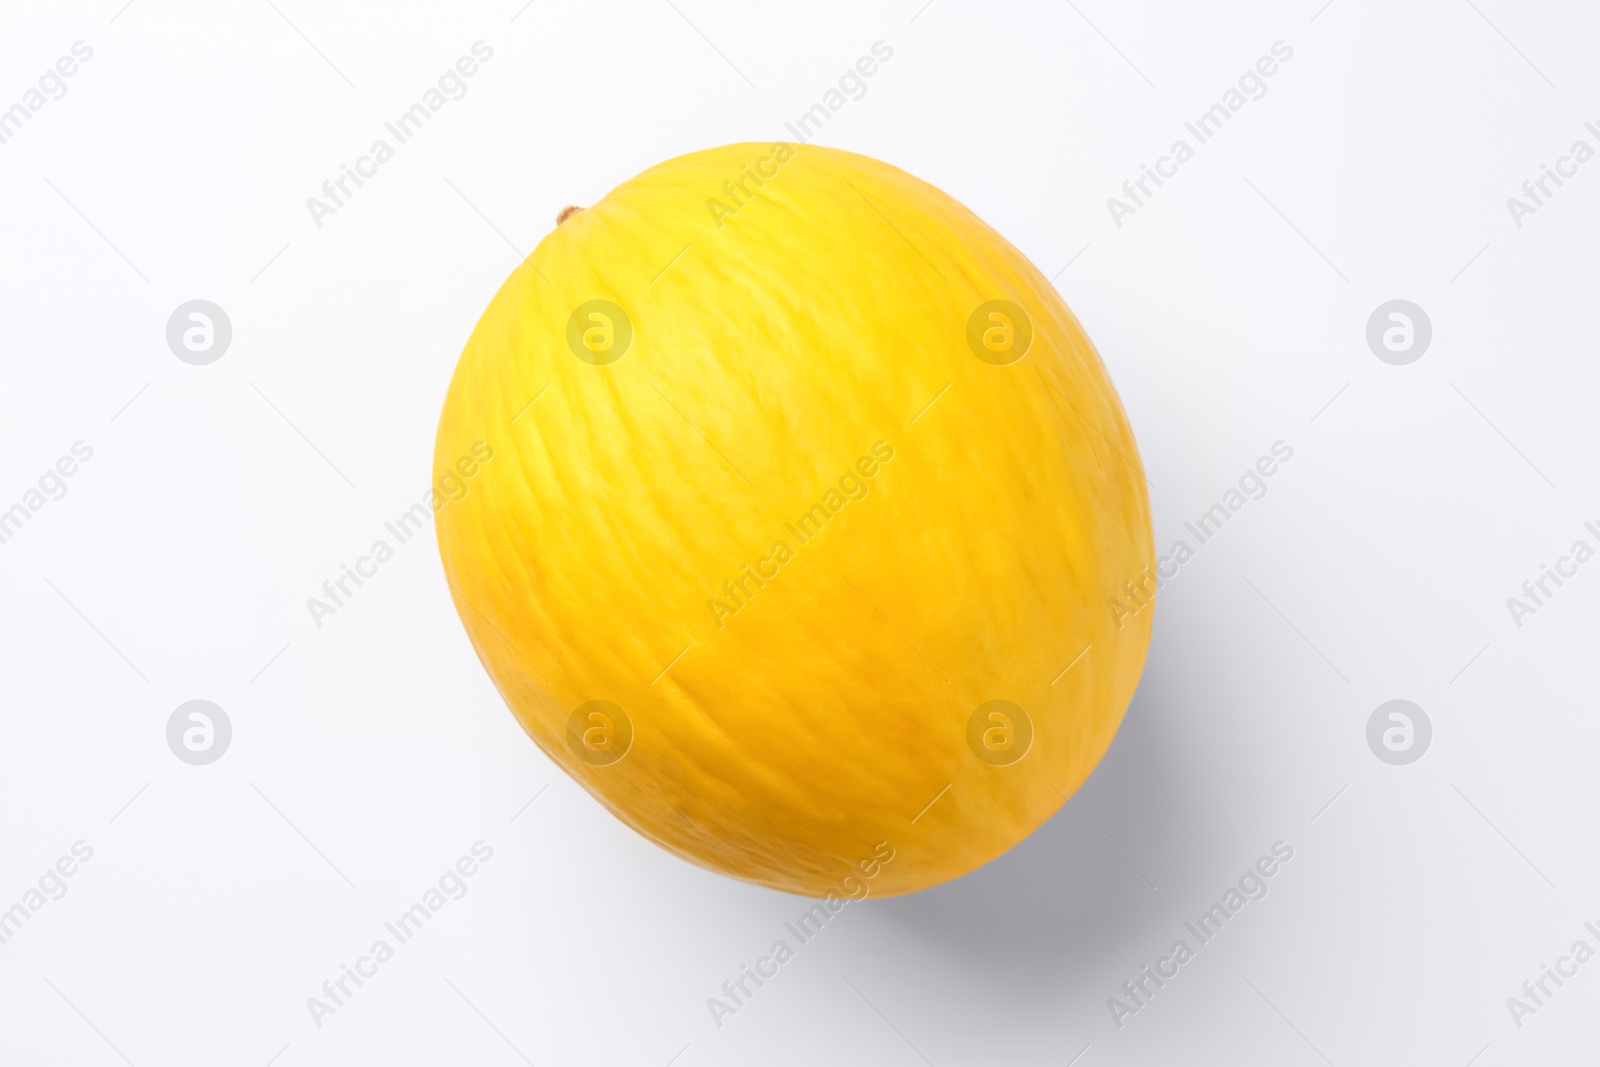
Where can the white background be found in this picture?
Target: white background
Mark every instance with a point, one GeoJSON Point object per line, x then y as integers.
{"type": "Point", "coordinates": [370, 753]}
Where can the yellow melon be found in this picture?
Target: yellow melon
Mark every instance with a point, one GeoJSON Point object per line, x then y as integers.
{"type": "Point", "coordinates": [806, 502]}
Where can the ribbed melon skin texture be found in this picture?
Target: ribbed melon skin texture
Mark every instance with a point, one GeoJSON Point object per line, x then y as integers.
{"type": "Point", "coordinates": [818, 720]}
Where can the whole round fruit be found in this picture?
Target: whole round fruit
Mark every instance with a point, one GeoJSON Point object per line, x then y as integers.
{"type": "Point", "coordinates": [794, 516]}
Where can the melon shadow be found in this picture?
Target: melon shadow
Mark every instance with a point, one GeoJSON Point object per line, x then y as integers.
{"type": "Point", "coordinates": [1066, 896]}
